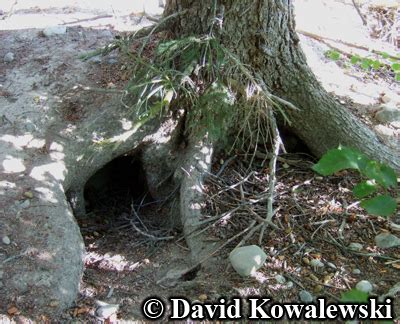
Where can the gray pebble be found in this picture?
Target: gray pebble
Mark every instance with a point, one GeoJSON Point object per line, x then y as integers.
{"type": "Point", "coordinates": [9, 57]}
{"type": "Point", "coordinates": [289, 285]}
{"type": "Point", "coordinates": [305, 296]}
{"type": "Point", "coordinates": [24, 204]}
{"type": "Point", "coordinates": [388, 114]}
{"type": "Point", "coordinates": [280, 279]}
{"type": "Point", "coordinates": [316, 263]}
{"type": "Point", "coordinates": [54, 30]}
{"type": "Point", "coordinates": [387, 240]}
{"type": "Point", "coordinates": [356, 272]}
{"type": "Point", "coordinates": [112, 61]}
{"type": "Point", "coordinates": [364, 286]}
{"type": "Point", "coordinates": [95, 59]}
{"type": "Point", "coordinates": [6, 240]}
{"type": "Point", "coordinates": [106, 310]}
{"type": "Point", "coordinates": [30, 127]}
{"type": "Point", "coordinates": [331, 265]}
{"type": "Point", "coordinates": [355, 247]}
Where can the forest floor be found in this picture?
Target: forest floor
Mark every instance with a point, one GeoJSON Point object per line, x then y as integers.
{"type": "Point", "coordinates": [324, 244]}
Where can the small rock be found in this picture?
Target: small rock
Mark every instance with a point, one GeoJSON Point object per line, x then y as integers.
{"type": "Point", "coordinates": [387, 240]}
{"type": "Point", "coordinates": [355, 247]}
{"type": "Point", "coordinates": [95, 59]}
{"type": "Point", "coordinates": [316, 263]}
{"type": "Point", "coordinates": [384, 130]}
{"type": "Point", "coordinates": [54, 303]}
{"type": "Point", "coordinates": [306, 297]}
{"type": "Point", "coordinates": [247, 259]}
{"type": "Point", "coordinates": [289, 285]}
{"type": "Point", "coordinates": [28, 194]}
{"type": "Point", "coordinates": [6, 240]}
{"type": "Point", "coordinates": [30, 127]}
{"type": "Point", "coordinates": [395, 124]}
{"type": "Point", "coordinates": [364, 286]}
{"type": "Point", "coordinates": [331, 265]}
{"type": "Point", "coordinates": [392, 291]}
{"type": "Point", "coordinates": [280, 279]}
{"type": "Point", "coordinates": [388, 114]}
{"type": "Point", "coordinates": [306, 261]}
{"type": "Point", "coordinates": [54, 30]}
{"type": "Point", "coordinates": [106, 33]}
{"type": "Point", "coordinates": [203, 298]}
{"type": "Point", "coordinates": [1, 274]}
{"type": "Point", "coordinates": [356, 272]}
{"type": "Point", "coordinates": [9, 57]}
{"type": "Point", "coordinates": [112, 61]}
{"type": "Point", "coordinates": [386, 98]}
{"type": "Point", "coordinates": [318, 289]}
{"type": "Point", "coordinates": [106, 310]}
{"type": "Point", "coordinates": [25, 204]}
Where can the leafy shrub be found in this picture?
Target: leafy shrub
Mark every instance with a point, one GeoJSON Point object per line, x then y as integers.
{"type": "Point", "coordinates": [379, 62]}
{"type": "Point", "coordinates": [379, 178]}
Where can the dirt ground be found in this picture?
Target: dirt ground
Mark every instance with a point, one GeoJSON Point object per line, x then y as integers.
{"type": "Point", "coordinates": [317, 219]}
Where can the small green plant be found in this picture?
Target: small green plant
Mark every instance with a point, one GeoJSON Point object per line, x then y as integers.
{"type": "Point", "coordinates": [382, 61]}
{"type": "Point", "coordinates": [354, 296]}
{"type": "Point", "coordinates": [379, 178]}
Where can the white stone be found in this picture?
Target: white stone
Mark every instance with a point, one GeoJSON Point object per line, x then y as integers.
{"type": "Point", "coordinates": [384, 130]}
{"type": "Point", "coordinates": [305, 296]}
{"type": "Point", "coordinates": [9, 57]}
{"type": "Point", "coordinates": [280, 279]}
{"type": "Point", "coordinates": [387, 240]}
{"type": "Point", "coordinates": [246, 260]}
{"type": "Point", "coordinates": [388, 114]}
{"type": "Point", "coordinates": [316, 263]}
{"type": "Point", "coordinates": [54, 30]}
{"type": "Point", "coordinates": [106, 310]}
{"type": "Point", "coordinates": [364, 286]}
{"type": "Point", "coordinates": [6, 240]}
{"type": "Point", "coordinates": [356, 272]}
{"type": "Point", "coordinates": [386, 98]}
{"type": "Point", "coordinates": [355, 246]}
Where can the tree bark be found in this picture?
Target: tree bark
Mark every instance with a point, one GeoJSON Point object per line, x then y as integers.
{"type": "Point", "coordinates": [262, 34]}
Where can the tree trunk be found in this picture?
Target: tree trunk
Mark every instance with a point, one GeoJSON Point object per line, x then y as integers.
{"type": "Point", "coordinates": [262, 34]}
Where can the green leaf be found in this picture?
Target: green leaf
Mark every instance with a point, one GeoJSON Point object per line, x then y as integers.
{"type": "Point", "coordinates": [376, 65]}
{"type": "Point", "coordinates": [365, 64]}
{"type": "Point", "coordinates": [339, 159]}
{"type": "Point", "coordinates": [364, 189]}
{"type": "Point", "coordinates": [385, 55]}
{"type": "Point", "coordinates": [381, 173]}
{"type": "Point", "coordinates": [397, 77]}
{"type": "Point", "coordinates": [396, 67]}
{"type": "Point", "coordinates": [355, 59]}
{"type": "Point", "coordinates": [354, 296]}
{"type": "Point", "coordinates": [382, 205]}
{"type": "Point", "coordinates": [333, 55]}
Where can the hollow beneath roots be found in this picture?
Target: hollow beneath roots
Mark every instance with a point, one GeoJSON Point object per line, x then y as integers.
{"type": "Point", "coordinates": [116, 186]}
{"type": "Point", "coordinates": [117, 196]}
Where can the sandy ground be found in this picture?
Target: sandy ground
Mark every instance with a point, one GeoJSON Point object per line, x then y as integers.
{"type": "Point", "coordinates": [43, 67]}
